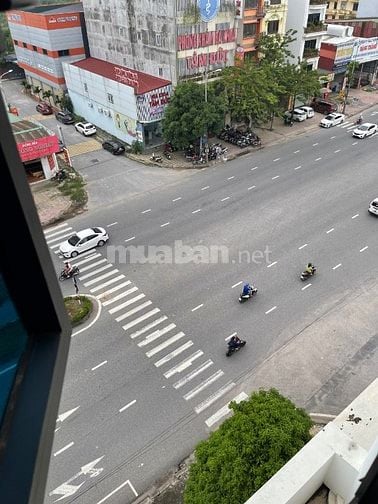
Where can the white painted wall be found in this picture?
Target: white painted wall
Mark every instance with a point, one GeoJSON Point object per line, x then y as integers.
{"type": "Point", "coordinates": [367, 8]}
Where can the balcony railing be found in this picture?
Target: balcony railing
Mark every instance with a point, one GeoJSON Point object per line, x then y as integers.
{"type": "Point", "coordinates": [318, 2]}
{"type": "Point", "coordinates": [315, 27]}
{"type": "Point", "coordinates": [260, 13]}
{"type": "Point", "coordinates": [310, 52]}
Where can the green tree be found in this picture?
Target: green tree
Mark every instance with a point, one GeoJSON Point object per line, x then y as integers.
{"type": "Point", "coordinates": [37, 90]}
{"type": "Point", "coordinates": [247, 450]}
{"type": "Point", "coordinates": [274, 50]}
{"type": "Point", "coordinates": [66, 103]}
{"type": "Point", "coordinates": [188, 117]}
{"type": "Point", "coordinates": [301, 83]}
{"type": "Point", "coordinates": [47, 94]}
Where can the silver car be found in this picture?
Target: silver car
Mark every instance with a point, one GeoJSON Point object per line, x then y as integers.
{"type": "Point", "coordinates": [373, 207]}
{"type": "Point", "coordinates": [83, 240]}
{"type": "Point", "coordinates": [365, 130]}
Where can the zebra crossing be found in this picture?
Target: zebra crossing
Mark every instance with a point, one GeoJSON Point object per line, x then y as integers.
{"type": "Point", "coordinates": [172, 352]}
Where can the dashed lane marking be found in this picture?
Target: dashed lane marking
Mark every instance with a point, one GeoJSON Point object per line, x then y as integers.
{"type": "Point", "coordinates": [318, 159]}
{"type": "Point", "coordinates": [235, 285]}
{"type": "Point", "coordinates": [330, 230]}
{"type": "Point", "coordinates": [315, 144]}
{"type": "Point", "coordinates": [354, 143]}
{"type": "Point", "coordinates": [226, 198]}
{"type": "Point", "coordinates": [302, 246]}
{"type": "Point", "coordinates": [277, 159]}
{"type": "Point", "coordinates": [336, 151]}
{"type": "Point", "coordinates": [112, 224]}
{"type": "Point", "coordinates": [252, 187]}
{"type": "Point", "coordinates": [354, 216]}
{"type": "Point", "coordinates": [64, 449]}
{"type": "Point", "coordinates": [204, 188]}
{"type": "Point", "coordinates": [197, 307]}
{"type": "Point", "coordinates": [332, 137]}
{"type": "Point", "coordinates": [229, 337]}
{"type": "Point", "coordinates": [296, 152]}
{"type": "Point", "coordinates": [230, 178]}
{"type": "Point", "coordinates": [146, 211]}
{"type": "Point", "coordinates": [364, 248]}
{"type": "Point", "coordinates": [165, 224]}
{"type": "Point", "coordinates": [130, 239]}
{"type": "Point", "coordinates": [298, 167]}
{"type": "Point", "coordinates": [306, 286]}
{"type": "Point", "coordinates": [271, 264]}
{"type": "Point", "coordinates": [276, 177]}
{"type": "Point", "coordinates": [99, 365]}
{"type": "Point", "coordinates": [337, 266]}
{"type": "Point", "coordinates": [177, 199]}
{"type": "Point", "coordinates": [127, 405]}
{"type": "Point", "coordinates": [196, 211]}
{"type": "Point", "coordinates": [270, 310]}
{"type": "Point", "coordinates": [254, 168]}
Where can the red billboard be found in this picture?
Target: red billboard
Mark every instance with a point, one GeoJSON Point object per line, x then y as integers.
{"type": "Point", "coordinates": [40, 147]}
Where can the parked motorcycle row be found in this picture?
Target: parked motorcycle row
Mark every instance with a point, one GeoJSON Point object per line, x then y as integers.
{"type": "Point", "coordinates": [236, 137]}
{"type": "Point", "coordinates": [216, 150]}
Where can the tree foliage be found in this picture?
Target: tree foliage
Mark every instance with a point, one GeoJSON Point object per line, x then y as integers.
{"type": "Point", "coordinates": [247, 450]}
{"type": "Point", "coordinates": [188, 117]}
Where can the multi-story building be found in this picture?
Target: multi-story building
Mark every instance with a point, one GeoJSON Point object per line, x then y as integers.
{"type": "Point", "coordinates": [44, 36]}
{"type": "Point", "coordinates": [274, 21]}
{"type": "Point", "coordinates": [307, 18]}
{"type": "Point", "coordinates": [342, 9]}
{"type": "Point", "coordinates": [254, 12]}
{"type": "Point", "coordinates": [170, 39]}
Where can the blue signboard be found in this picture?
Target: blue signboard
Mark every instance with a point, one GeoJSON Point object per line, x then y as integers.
{"type": "Point", "coordinates": [208, 9]}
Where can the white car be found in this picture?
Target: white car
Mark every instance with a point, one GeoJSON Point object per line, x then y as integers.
{"type": "Point", "coordinates": [85, 129]}
{"type": "Point", "coordinates": [83, 240]}
{"type": "Point", "coordinates": [365, 129]}
{"type": "Point", "coordinates": [298, 115]}
{"type": "Point", "coordinates": [309, 111]}
{"type": "Point", "coordinates": [332, 120]}
{"type": "Point", "coordinates": [373, 207]}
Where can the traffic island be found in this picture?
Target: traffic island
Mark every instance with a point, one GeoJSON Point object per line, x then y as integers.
{"type": "Point", "coordinates": [78, 308]}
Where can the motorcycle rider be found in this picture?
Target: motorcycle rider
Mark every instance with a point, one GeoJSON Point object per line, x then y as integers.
{"type": "Point", "coordinates": [234, 342]}
{"type": "Point", "coordinates": [247, 289]}
{"type": "Point", "coordinates": [310, 269]}
{"type": "Point", "coordinates": [360, 119]}
{"type": "Point", "coordinates": [67, 268]}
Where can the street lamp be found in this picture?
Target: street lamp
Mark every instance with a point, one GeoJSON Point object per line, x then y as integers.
{"type": "Point", "coordinates": [2, 90]}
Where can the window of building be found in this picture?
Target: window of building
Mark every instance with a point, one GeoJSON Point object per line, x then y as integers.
{"type": "Point", "coordinates": [250, 4]}
{"type": "Point", "coordinates": [110, 98]}
{"type": "Point", "coordinates": [310, 44]}
{"type": "Point", "coordinates": [160, 72]}
{"type": "Point", "coordinates": [355, 6]}
{"type": "Point", "coordinates": [249, 30]}
{"type": "Point", "coordinates": [85, 87]}
{"type": "Point", "coordinates": [335, 5]}
{"type": "Point", "coordinates": [313, 19]}
{"type": "Point", "coordinates": [24, 44]}
{"type": "Point", "coordinates": [275, 2]}
{"type": "Point", "coordinates": [35, 48]}
{"type": "Point", "coordinates": [158, 39]}
{"type": "Point", "coordinates": [64, 52]}
{"type": "Point", "coordinates": [309, 67]}
{"type": "Point", "coordinates": [273, 27]}
{"type": "Point", "coordinates": [343, 5]}
{"type": "Point", "coordinates": [44, 51]}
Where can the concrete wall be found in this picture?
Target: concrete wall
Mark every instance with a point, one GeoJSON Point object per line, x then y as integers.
{"type": "Point", "coordinates": [367, 8]}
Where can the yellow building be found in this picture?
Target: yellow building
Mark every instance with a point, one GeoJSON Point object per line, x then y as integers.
{"type": "Point", "coordinates": [342, 9]}
{"type": "Point", "coordinates": [274, 21]}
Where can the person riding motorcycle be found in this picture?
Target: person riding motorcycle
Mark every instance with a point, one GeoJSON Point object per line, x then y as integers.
{"type": "Point", "coordinates": [360, 119]}
{"type": "Point", "coordinates": [234, 342]}
{"type": "Point", "coordinates": [310, 268]}
{"type": "Point", "coordinates": [247, 288]}
{"type": "Point", "coordinates": [67, 268]}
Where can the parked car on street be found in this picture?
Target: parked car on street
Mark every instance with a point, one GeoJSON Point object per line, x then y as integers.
{"type": "Point", "coordinates": [332, 120]}
{"type": "Point", "coordinates": [65, 117]}
{"type": "Point", "coordinates": [323, 106]}
{"type": "Point", "coordinates": [44, 108]}
{"type": "Point", "coordinates": [85, 129]}
{"type": "Point", "coordinates": [83, 240]}
{"type": "Point", "coordinates": [365, 129]}
{"type": "Point", "coordinates": [296, 114]}
{"type": "Point", "coordinates": [309, 111]}
{"type": "Point", "coordinates": [373, 207]}
{"type": "Point", "coordinates": [114, 147]}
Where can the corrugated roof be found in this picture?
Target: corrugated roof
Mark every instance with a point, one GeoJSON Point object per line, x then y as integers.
{"type": "Point", "coordinates": [24, 131]}
{"type": "Point", "coordinates": [140, 81]}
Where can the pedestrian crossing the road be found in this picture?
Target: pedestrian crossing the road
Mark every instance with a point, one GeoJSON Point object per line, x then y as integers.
{"type": "Point", "coordinates": [191, 373]}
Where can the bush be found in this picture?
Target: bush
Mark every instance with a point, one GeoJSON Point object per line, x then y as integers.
{"type": "Point", "coordinates": [247, 450]}
{"type": "Point", "coordinates": [137, 147]}
{"type": "Point", "coordinates": [66, 103]}
{"type": "Point", "coordinates": [78, 308]}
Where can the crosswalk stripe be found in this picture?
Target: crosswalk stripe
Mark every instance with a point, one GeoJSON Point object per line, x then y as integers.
{"type": "Point", "coordinates": [101, 277]}
{"type": "Point", "coordinates": [183, 364]}
{"type": "Point", "coordinates": [225, 410]}
{"type": "Point", "coordinates": [148, 327]}
{"type": "Point", "coordinates": [59, 238]}
{"type": "Point", "coordinates": [156, 334]}
{"type": "Point", "coordinates": [211, 399]}
{"type": "Point", "coordinates": [114, 289]}
{"type": "Point", "coordinates": [47, 231]}
{"type": "Point", "coordinates": [140, 319]}
{"type": "Point", "coordinates": [193, 374]}
{"type": "Point", "coordinates": [127, 303]}
{"type": "Point", "coordinates": [119, 296]}
{"type": "Point", "coordinates": [96, 272]}
{"type": "Point", "coordinates": [50, 235]}
{"type": "Point", "coordinates": [83, 254]}
{"type": "Point", "coordinates": [214, 377]}
{"type": "Point", "coordinates": [133, 311]}
{"type": "Point", "coordinates": [173, 354]}
{"type": "Point", "coordinates": [109, 282]}
{"type": "Point", "coordinates": [165, 344]}
{"type": "Point", "coordinates": [101, 261]}
{"type": "Point", "coordinates": [88, 259]}
{"type": "Point", "coordinates": [55, 246]}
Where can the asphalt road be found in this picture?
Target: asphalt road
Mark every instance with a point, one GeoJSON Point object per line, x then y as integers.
{"type": "Point", "coordinates": [150, 378]}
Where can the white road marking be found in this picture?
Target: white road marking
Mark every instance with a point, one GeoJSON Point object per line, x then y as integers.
{"type": "Point", "coordinates": [235, 285]}
{"type": "Point", "coordinates": [252, 187]}
{"type": "Point", "coordinates": [183, 364]}
{"type": "Point", "coordinates": [277, 159]}
{"type": "Point", "coordinates": [119, 296]}
{"type": "Point", "coordinates": [332, 137]}
{"type": "Point", "coordinates": [225, 410]}
{"type": "Point", "coordinates": [277, 176]}
{"type": "Point", "coordinates": [114, 289]}
{"type": "Point", "coordinates": [270, 310]}
{"type": "Point", "coordinates": [354, 143]}
{"type": "Point", "coordinates": [364, 248]}
{"type": "Point", "coordinates": [193, 374]}
{"type": "Point", "coordinates": [59, 238]}
{"type": "Point", "coordinates": [296, 152]}
{"type": "Point", "coordinates": [337, 266]}
{"type": "Point", "coordinates": [96, 271]}
{"type": "Point", "coordinates": [210, 400]}
{"type": "Point", "coordinates": [173, 354]}
{"type": "Point", "coordinates": [315, 144]}
{"type": "Point", "coordinates": [66, 489]}
{"type": "Point", "coordinates": [127, 303]}
{"type": "Point", "coordinates": [116, 490]}
{"type": "Point", "coordinates": [101, 261]}
{"type": "Point", "coordinates": [86, 327]}
{"type": "Point", "coordinates": [129, 239]}
{"type": "Point", "coordinates": [354, 216]}
{"type": "Point", "coordinates": [330, 230]}
{"type": "Point", "coordinates": [165, 224]}
{"type": "Point", "coordinates": [271, 264]}
{"type": "Point", "coordinates": [109, 282]}
{"type": "Point", "coordinates": [156, 334]}
{"type": "Point", "coordinates": [229, 337]}
{"type": "Point", "coordinates": [99, 365]}
{"type": "Point", "coordinates": [65, 415]}
{"type": "Point", "coordinates": [196, 211]}
{"type": "Point", "coordinates": [204, 188]}
{"type": "Point", "coordinates": [298, 167]}
{"type": "Point", "coordinates": [336, 151]}
{"type": "Point", "coordinates": [101, 277]}
{"type": "Point", "coordinates": [87, 259]}
{"type": "Point", "coordinates": [214, 377]}
{"type": "Point", "coordinates": [306, 286]}
{"type": "Point", "coordinates": [141, 318]}
{"type": "Point", "coordinates": [165, 344]}
{"type": "Point", "coordinates": [48, 231]}
{"type": "Point", "coordinates": [52, 247]}
{"type": "Point", "coordinates": [148, 327]}
{"type": "Point", "coordinates": [230, 178]}
{"type": "Point", "coordinates": [254, 168]}
{"type": "Point", "coordinates": [176, 199]}
{"type": "Point", "coordinates": [146, 211]}
{"type": "Point", "coordinates": [127, 405]}
{"type": "Point", "coordinates": [64, 449]}
{"type": "Point", "coordinates": [226, 198]}
{"type": "Point", "coordinates": [197, 307]}
{"type": "Point", "coordinates": [302, 246]}
{"type": "Point", "coordinates": [133, 311]}
{"type": "Point", "coordinates": [112, 224]}
{"type": "Point", "coordinates": [318, 159]}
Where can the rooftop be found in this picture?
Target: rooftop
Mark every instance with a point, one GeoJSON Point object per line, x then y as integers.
{"type": "Point", "coordinates": [25, 131]}
{"type": "Point", "coordinates": [55, 9]}
{"type": "Point", "coordinates": [140, 81]}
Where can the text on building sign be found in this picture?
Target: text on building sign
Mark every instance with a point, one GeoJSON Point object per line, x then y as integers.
{"type": "Point", "coordinates": [204, 59]}
{"type": "Point", "coordinates": [204, 39]}
{"type": "Point", "coordinates": [126, 76]}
